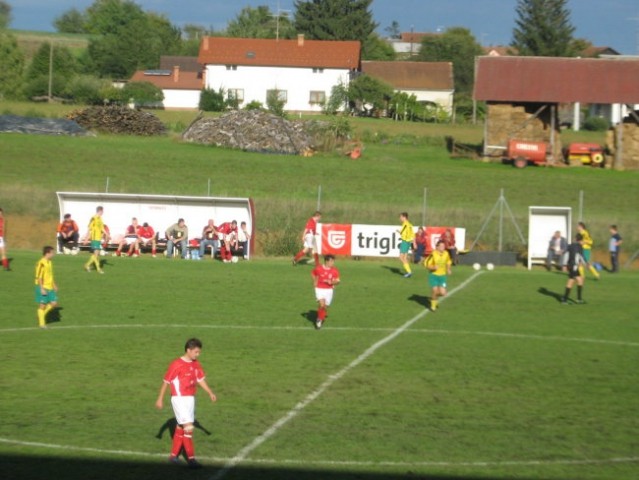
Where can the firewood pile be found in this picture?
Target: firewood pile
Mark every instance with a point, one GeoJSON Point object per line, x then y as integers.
{"type": "Point", "coordinates": [252, 130]}
{"type": "Point", "coordinates": [630, 142]}
{"type": "Point", "coordinates": [118, 119]}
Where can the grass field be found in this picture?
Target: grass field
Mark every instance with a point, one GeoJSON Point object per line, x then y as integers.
{"type": "Point", "coordinates": [502, 382]}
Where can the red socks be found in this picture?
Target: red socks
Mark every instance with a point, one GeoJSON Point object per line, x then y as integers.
{"type": "Point", "coordinates": [5, 262]}
{"type": "Point", "coordinates": [316, 257]}
{"type": "Point", "coordinates": [178, 440]}
{"type": "Point", "coordinates": [299, 255]}
{"type": "Point", "coordinates": [188, 444]}
{"type": "Point", "coordinates": [321, 313]}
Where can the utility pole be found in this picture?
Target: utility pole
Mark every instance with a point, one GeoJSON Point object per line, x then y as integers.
{"type": "Point", "coordinates": [280, 13]}
{"type": "Point", "coordinates": [50, 71]}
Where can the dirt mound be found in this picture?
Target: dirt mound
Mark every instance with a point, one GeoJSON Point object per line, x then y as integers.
{"type": "Point", "coordinates": [119, 120]}
{"type": "Point", "coordinates": [254, 131]}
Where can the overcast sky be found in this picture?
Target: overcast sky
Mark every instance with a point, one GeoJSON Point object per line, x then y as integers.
{"type": "Point", "coordinates": [612, 23]}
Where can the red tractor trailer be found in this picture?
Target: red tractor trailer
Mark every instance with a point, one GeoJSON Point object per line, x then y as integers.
{"type": "Point", "coordinates": [523, 152]}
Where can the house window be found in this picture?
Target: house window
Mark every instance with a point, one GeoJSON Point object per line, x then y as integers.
{"type": "Point", "coordinates": [317, 97]}
{"type": "Point", "coordinates": [235, 94]}
{"type": "Point", "coordinates": [318, 70]}
{"type": "Point", "coordinates": [231, 67]}
{"type": "Point", "coordinates": [281, 94]}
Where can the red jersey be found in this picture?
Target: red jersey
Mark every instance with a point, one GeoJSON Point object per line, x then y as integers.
{"type": "Point", "coordinates": [1, 226]}
{"type": "Point", "coordinates": [311, 226]}
{"type": "Point", "coordinates": [68, 226]}
{"type": "Point", "coordinates": [131, 231]}
{"type": "Point", "coordinates": [146, 232]}
{"type": "Point", "coordinates": [325, 275]}
{"type": "Point", "coordinates": [183, 377]}
{"type": "Point", "coordinates": [226, 228]}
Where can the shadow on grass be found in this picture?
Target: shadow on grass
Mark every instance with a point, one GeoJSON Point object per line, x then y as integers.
{"type": "Point", "coordinates": [310, 316]}
{"type": "Point", "coordinates": [30, 467]}
{"type": "Point", "coordinates": [54, 316]}
{"type": "Point", "coordinates": [548, 293]}
{"type": "Point", "coordinates": [422, 300]}
{"type": "Point", "coordinates": [395, 270]}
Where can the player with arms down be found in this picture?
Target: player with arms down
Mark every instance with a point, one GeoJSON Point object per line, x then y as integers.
{"type": "Point", "coordinates": [574, 263]}
{"type": "Point", "coordinates": [308, 239]}
{"type": "Point", "coordinates": [183, 376]}
{"type": "Point", "coordinates": [438, 263]}
{"type": "Point", "coordinates": [325, 277]}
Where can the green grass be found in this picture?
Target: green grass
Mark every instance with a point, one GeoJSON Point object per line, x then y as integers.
{"type": "Point", "coordinates": [501, 382]}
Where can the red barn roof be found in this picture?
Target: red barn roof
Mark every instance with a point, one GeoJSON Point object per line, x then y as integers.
{"type": "Point", "coordinates": [172, 79]}
{"type": "Point", "coordinates": [557, 80]}
{"type": "Point", "coordinates": [280, 53]}
{"type": "Point", "coordinates": [412, 75]}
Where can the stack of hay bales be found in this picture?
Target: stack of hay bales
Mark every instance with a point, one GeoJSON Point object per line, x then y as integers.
{"type": "Point", "coordinates": [508, 121]}
{"type": "Point", "coordinates": [630, 145]}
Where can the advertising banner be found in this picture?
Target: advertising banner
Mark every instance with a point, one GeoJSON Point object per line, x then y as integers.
{"type": "Point", "coordinates": [374, 240]}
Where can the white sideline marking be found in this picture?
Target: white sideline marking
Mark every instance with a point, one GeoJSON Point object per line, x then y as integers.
{"type": "Point", "coordinates": [334, 463]}
{"type": "Point", "coordinates": [273, 429]}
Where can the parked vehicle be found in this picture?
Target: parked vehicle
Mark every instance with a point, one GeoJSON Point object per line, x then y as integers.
{"type": "Point", "coordinates": [523, 152]}
{"type": "Point", "coordinates": [587, 153]}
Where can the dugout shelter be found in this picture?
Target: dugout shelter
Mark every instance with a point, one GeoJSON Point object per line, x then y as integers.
{"type": "Point", "coordinates": [543, 222]}
{"type": "Point", "coordinates": [160, 211]}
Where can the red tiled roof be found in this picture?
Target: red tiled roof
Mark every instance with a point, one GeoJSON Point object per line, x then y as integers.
{"type": "Point", "coordinates": [280, 53]}
{"type": "Point", "coordinates": [186, 64]}
{"type": "Point", "coordinates": [181, 81]}
{"type": "Point", "coordinates": [412, 75]}
{"type": "Point", "coordinates": [557, 80]}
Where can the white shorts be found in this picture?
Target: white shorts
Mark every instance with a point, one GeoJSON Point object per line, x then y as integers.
{"type": "Point", "coordinates": [325, 294]}
{"type": "Point", "coordinates": [309, 241]}
{"type": "Point", "coordinates": [1, 242]}
{"type": "Point", "coordinates": [145, 241]}
{"type": "Point", "coordinates": [130, 240]}
{"type": "Point", "coordinates": [184, 409]}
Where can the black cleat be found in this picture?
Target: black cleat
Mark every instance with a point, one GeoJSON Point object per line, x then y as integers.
{"type": "Point", "coordinates": [194, 464]}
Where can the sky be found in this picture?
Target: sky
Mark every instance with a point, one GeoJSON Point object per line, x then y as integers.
{"type": "Point", "coordinates": [609, 23]}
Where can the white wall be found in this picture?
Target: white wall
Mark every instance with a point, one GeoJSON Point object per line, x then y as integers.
{"type": "Point", "coordinates": [443, 98]}
{"type": "Point", "coordinates": [255, 81]}
{"type": "Point", "coordinates": [181, 99]}
{"type": "Point", "coordinates": [543, 222]}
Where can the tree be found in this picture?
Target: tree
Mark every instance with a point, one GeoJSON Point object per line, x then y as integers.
{"type": "Point", "coordinates": [543, 29]}
{"type": "Point", "coordinates": [12, 61]}
{"type": "Point", "coordinates": [334, 19]}
{"type": "Point", "coordinates": [142, 93]}
{"type": "Point", "coordinates": [376, 48]}
{"type": "Point", "coordinates": [393, 30]}
{"type": "Point", "coordinates": [260, 23]}
{"type": "Point", "coordinates": [456, 45]}
{"type": "Point", "coordinates": [55, 64]}
{"type": "Point", "coordinates": [369, 95]}
{"type": "Point", "coordinates": [5, 14]}
{"type": "Point", "coordinates": [71, 21]}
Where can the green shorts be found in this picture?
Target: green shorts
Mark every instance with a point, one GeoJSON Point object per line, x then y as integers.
{"type": "Point", "coordinates": [437, 280]}
{"type": "Point", "coordinates": [587, 255]}
{"type": "Point", "coordinates": [96, 245]}
{"type": "Point", "coordinates": [50, 297]}
{"type": "Point", "coordinates": [404, 247]}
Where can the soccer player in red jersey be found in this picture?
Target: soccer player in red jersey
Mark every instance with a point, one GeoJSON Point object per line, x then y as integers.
{"type": "Point", "coordinates": [130, 238]}
{"type": "Point", "coordinates": [308, 239]}
{"type": "Point", "coordinates": [183, 376]}
{"type": "Point", "coordinates": [228, 230]}
{"type": "Point", "coordinates": [325, 277]}
{"type": "Point", "coordinates": [146, 236]}
{"type": "Point", "coordinates": [3, 250]}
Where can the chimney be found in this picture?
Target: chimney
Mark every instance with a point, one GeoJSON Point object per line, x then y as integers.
{"type": "Point", "coordinates": [176, 73]}
{"type": "Point", "coordinates": [300, 39]}
{"type": "Point", "coordinates": [205, 43]}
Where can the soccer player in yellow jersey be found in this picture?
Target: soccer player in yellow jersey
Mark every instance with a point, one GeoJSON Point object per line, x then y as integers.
{"type": "Point", "coordinates": [438, 263]}
{"type": "Point", "coordinates": [587, 248]}
{"type": "Point", "coordinates": [407, 235]}
{"type": "Point", "coordinates": [45, 287]}
{"type": "Point", "coordinates": [96, 231]}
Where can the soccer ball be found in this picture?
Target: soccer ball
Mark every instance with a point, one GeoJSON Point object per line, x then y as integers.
{"type": "Point", "coordinates": [476, 266]}
{"type": "Point", "coordinates": [66, 251]}
{"type": "Point", "coordinates": [235, 259]}
{"type": "Point", "coordinates": [103, 253]}
{"type": "Point", "coordinates": [74, 251]}
{"type": "Point", "coordinates": [490, 266]}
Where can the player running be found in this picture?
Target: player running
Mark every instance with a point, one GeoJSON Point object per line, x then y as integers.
{"type": "Point", "coordinates": [407, 234]}
{"type": "Point", "coordinates": [45, 287]}
{"type": "Point", "coordinates": [96, 231]}
{"type": "Point", "coordinates": [183, 376]}
{"type": "Point", "coordinates": [325, 277]}
{"type": "Point", "coordinates": [438, 263]}
{"type": "Point", "coordinates": [308, 239]}
{"type": "Point", "coordinates": [574, 263]}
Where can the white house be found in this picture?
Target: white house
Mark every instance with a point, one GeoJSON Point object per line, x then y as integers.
{"type": "Point", "coordinates": [430, 82]}
{"type": "Point", "coordinates": [301, 72]}
{"type": "Point", "coordinates": [181, 89]}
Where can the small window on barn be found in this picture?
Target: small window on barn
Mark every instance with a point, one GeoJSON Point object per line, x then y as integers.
{"type": "Point", "coordinates": [317, 97]}
{"type": "Point", "coordinates": [231, 67]}
{"type": "Point", "coordinates": [318, 70]}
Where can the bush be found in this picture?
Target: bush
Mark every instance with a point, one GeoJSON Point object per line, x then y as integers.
{"type": "Point", "coordinates": [212, 101]}
{"type": "Point", "coordinates": [596, 124]}
{"type": "Point", "coordinates": [254, 105]}
{"type": "Point", "coordinates": [275, 104]}
{"type": "Point", "coordinates": [142, 93]}
{"type": "Point", "coordinates": [86, 90]}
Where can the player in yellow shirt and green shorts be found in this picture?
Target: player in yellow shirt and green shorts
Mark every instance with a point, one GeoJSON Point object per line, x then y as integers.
{"type": "Point", "coordinates": [438, 263]}
{"type": "Point", "coordinates": [45, 287]}
{"type": "Point", "coordinates": [587, 248]}
{"type": "Point", "coordinates": [96, 232]}
{"type": "Point", "coordinates": [407, 235]}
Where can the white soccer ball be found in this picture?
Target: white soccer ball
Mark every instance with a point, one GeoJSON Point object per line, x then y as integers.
{"type": "Point", "coordinates": [235, 259]}
{"type": "Point", "coordinates": [103, 253]}
{"type": "Point", "coordinates": [490, 266]}
{"type": "Point", "coordinates": [66, 251]}
{"type": "Point", "coordinates": [74, 251]}
{"type": "Point", "coordinates": [476, 266]}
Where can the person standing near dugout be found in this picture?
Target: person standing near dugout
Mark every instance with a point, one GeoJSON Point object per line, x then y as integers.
{"type": "Point", "coordinates": [407, 235]}
{"type": "Point", "coordinates": [46, 290]}
{"type": "Point", "coordinates": [587, 243]}
{"type": "Point", "coordinates": [439, 265]}
{"type": "Point", "coordinates": [574, 262]}
{"type": "Point", "coordinates": [325, 277]}
{"type": "Point", "coordinates": [308, 239]}
{"type": "Point", "coordinates": [183, 377]}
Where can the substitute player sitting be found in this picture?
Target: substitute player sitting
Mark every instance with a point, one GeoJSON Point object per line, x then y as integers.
{"type": "Point", "coordinates": [146, 237]}
{"type": "Point", "coordinates": [183, 376]}
{"type": "Point", "coordinates": [438, 263]}
{"type": "Point", "coordinates": [325, 277]}
{"type": "Point", "coordinates": [130, 238]}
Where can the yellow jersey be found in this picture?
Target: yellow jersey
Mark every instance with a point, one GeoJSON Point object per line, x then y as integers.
{"type": "Point", "coordinates": [407, 233]}
{"type": "Point", "coordinates": [440, 260]}
{"type": "Point", "coordinates": [44, 273]}
{"type": "Point", "coordinates": [587, 239]}
{"type": "Point", "coordinates": [96, 228]}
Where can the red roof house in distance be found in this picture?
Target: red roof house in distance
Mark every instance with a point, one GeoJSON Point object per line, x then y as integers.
{"type": "Point", "coordinates": [301, 72]}
{"type": "Point", "coordinates": [430, 82]}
